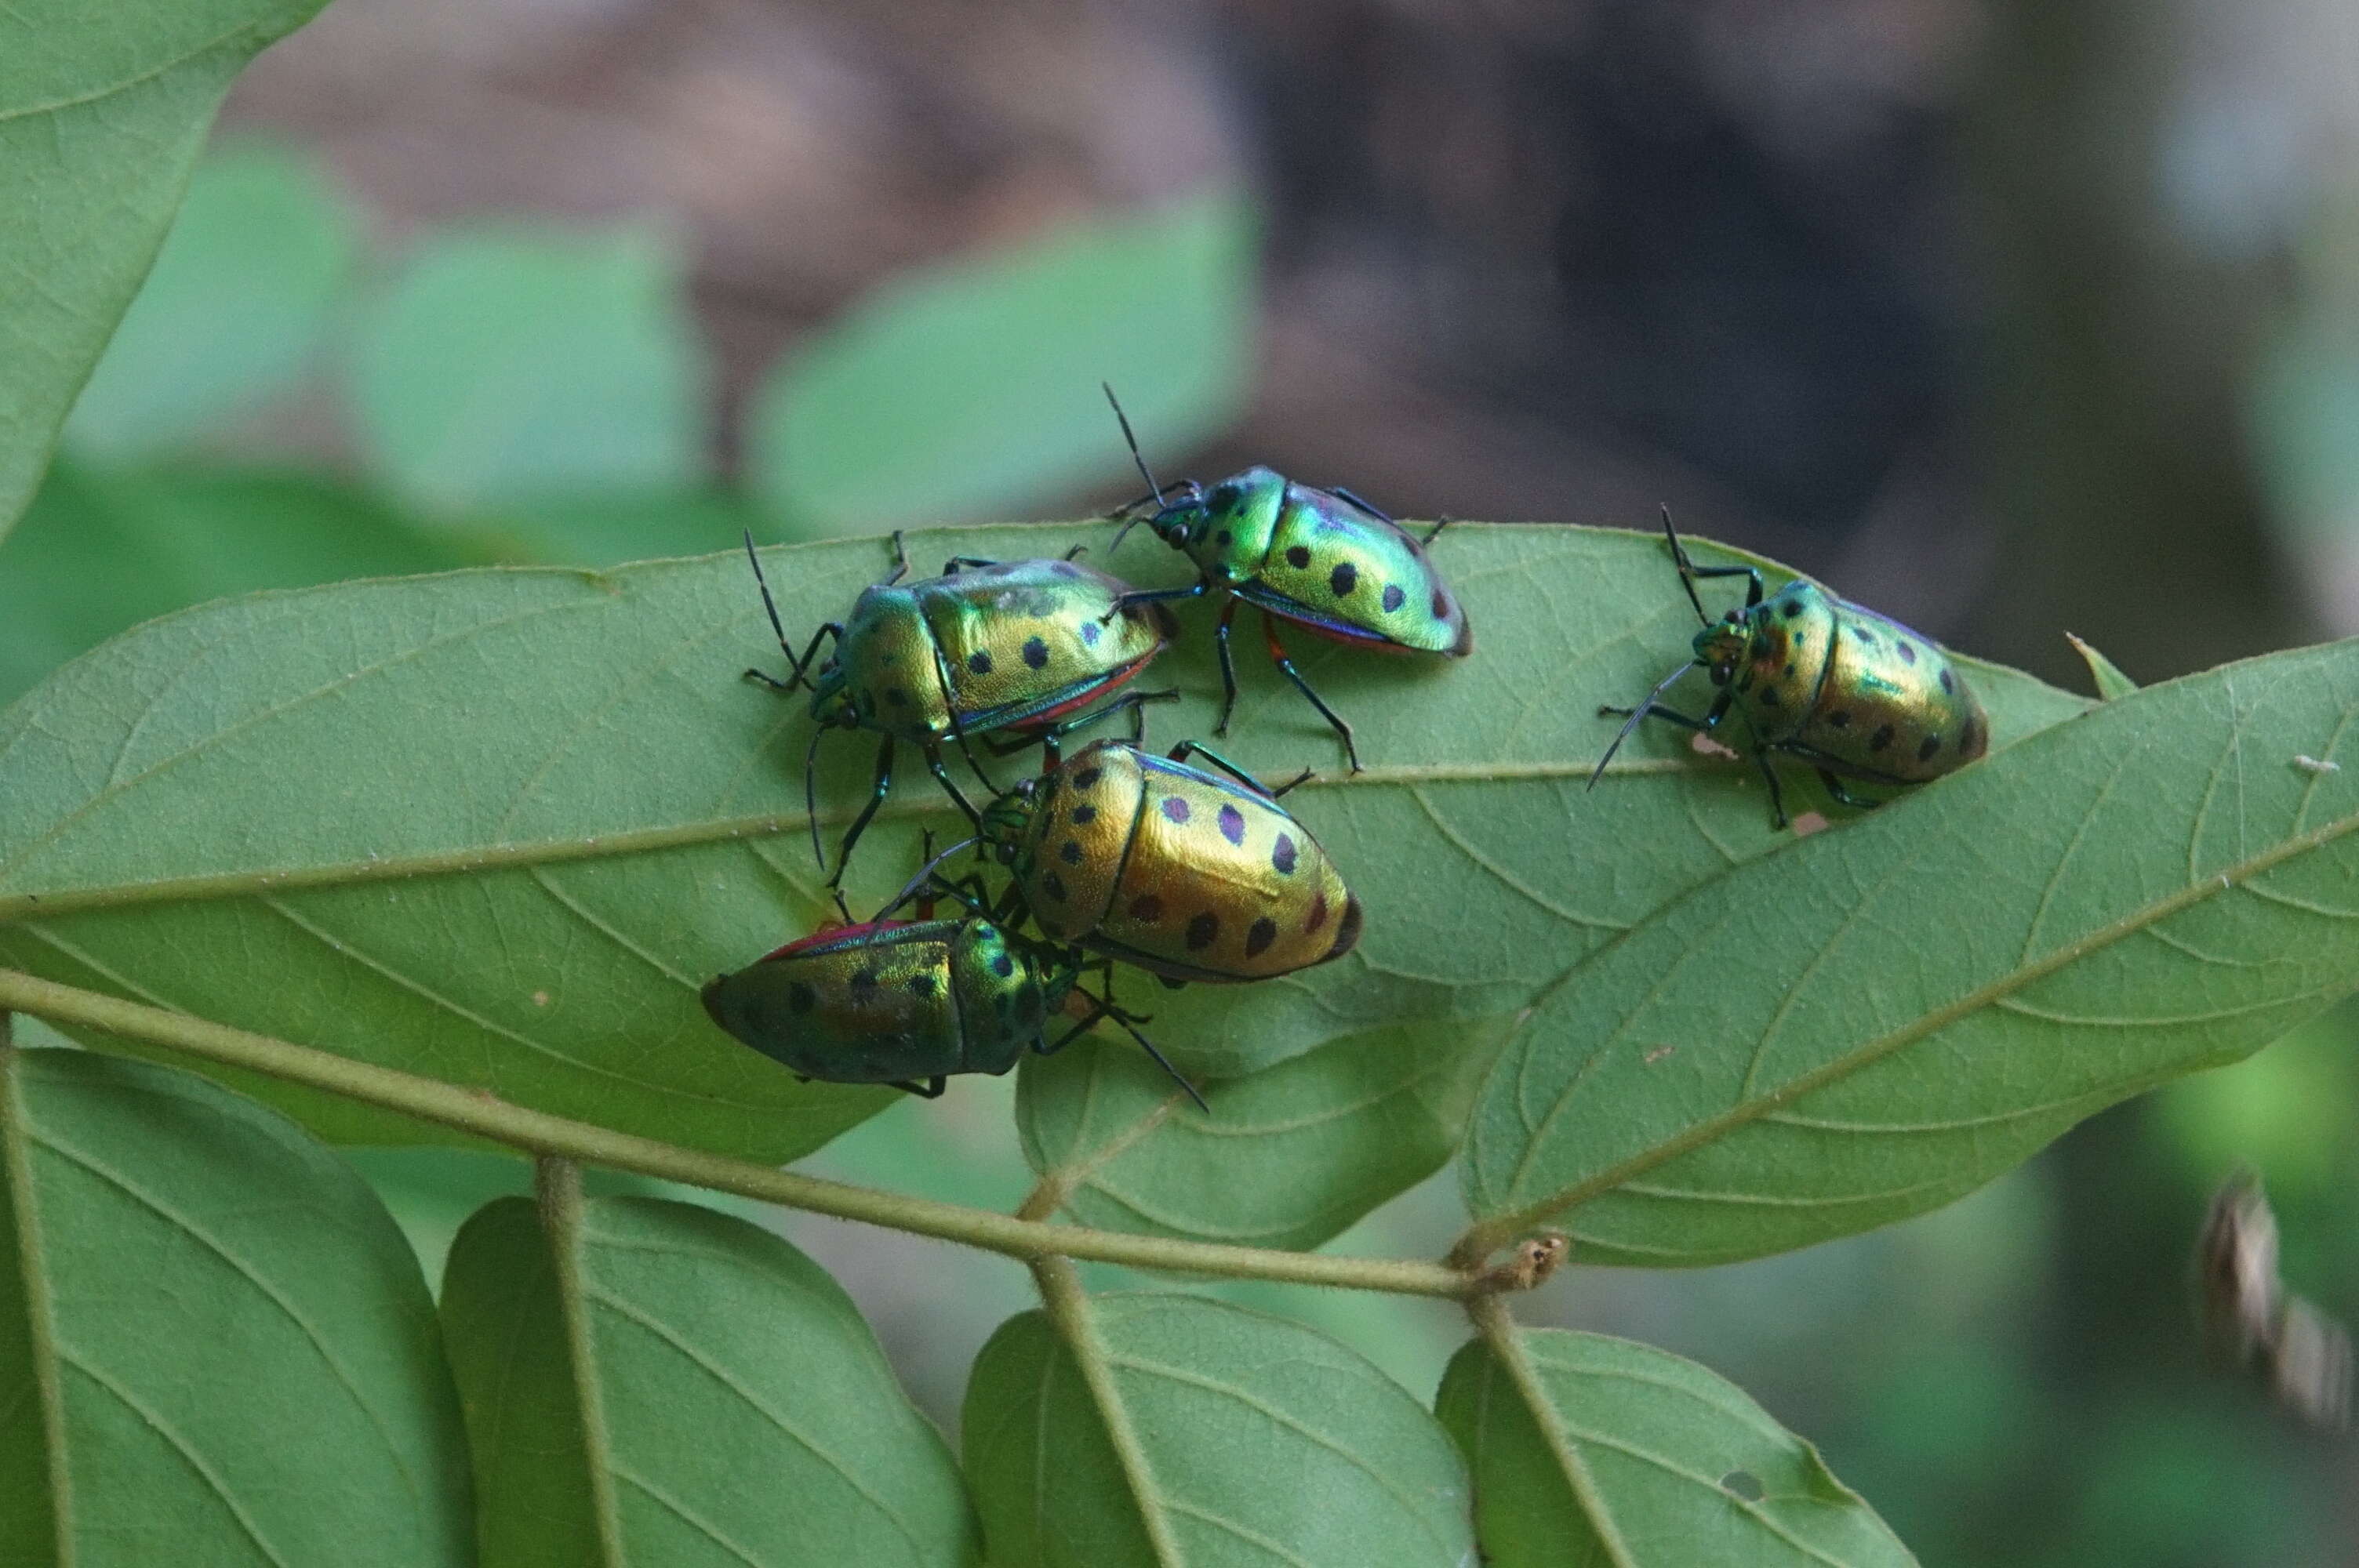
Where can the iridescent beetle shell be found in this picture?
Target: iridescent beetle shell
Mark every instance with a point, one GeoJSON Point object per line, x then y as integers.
{"type": "Point", "coordinates": [1842, 686]}
{"type": "Point", "coordinates": [1008, 645]}
{"type": "Point", "coordinates": [1184, 873]}
{"type": "Point", "coordinates": [1325, 562]}
{"type": "Point", "coordinates": [1854, 693]}
{"type": "Point", "coordinates": [891, 1001]}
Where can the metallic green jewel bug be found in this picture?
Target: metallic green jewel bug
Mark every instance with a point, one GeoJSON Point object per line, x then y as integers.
{"type": "Point", "coordinates": [909, 1002]}
{"type": "Point", "coordinates": [1322, 559]}
{"type": "Point", "coordinates": [1855, 694]}
{"type": "Point", "coordinates": [1018, 650]}
{"type": "Point", "coordinates": [1183, 872]}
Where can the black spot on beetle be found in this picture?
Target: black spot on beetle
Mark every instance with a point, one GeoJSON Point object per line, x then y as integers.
{"type": "Point", "coordinates": [1221, 539]}
{"type": "Point", "coordinates": [1085, 778]}
{"type": "Point", "coordinates": [1343, 579]}
{"type": "Point", "coordinates": [1174, 808]}
{"type": "Point", "coordinates": [1840, 719]}
{"type": "Point", "coordinates": [979, 662]}
{"type": "Point", "coordinates": [1907, 652]}
{"type": "Point", "coordinates": [1793, 608]}
{"type": "Point", "coordinates": [1281, 855]}
{"type": "Point", "coordinates": [1233, 825]}
{"type": "Point", "coordinates": [1003, 965]}
{"type": "Point", "coordinates": [1054, 885]}
{"type": "Point", "coordinates": [1085, 814]}
{"type": "Point", "coordinates": [1441, 605]}
{"type": "Point", "coordinates": [1147, 909]}
{"type": "Point", "coordinates": [1768, 698]}
{"type": "Point", "coordinates": [921, 985]}
{"type": "Point", "coordinates": [1203, 930]}
{"type": "Point", "coordinates": [1071, 852]}
{"type": "Point", "coordinates": [863, 984]}
{"type": "Point", "coordinates": [1792, 666]}
{"type": "Point", "coordinates": [1298, 557]}
{"type": "Point", "coordinates": [1259, 935]}
{"type": "Point", "coordinates": [1880, 740]}
{"type": "Point", "coordinates": [1035, 653]}
{"type": "Point", "coordinates": [1393, 597]}
{"type": "Point", "coordinates": [801, 998]}
{"type": "Point", "coordinates": [1223, 496]}
{"type": "Point", "coordinates": [1949, 686]}
{"type": "Point", "coordinates": [1932, 744]}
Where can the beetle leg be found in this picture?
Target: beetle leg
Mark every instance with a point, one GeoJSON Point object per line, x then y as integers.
{"type": "Point", "coordinates": [1286, 667]}
{"type": "Point", "coordinates": [930, 1089]}
{"type": "Point", "coordinates": [1201, 586]}
{"type": "Point", "coordinates": [1435, 532]}
{"type": "Point", "coordinates": [1340, 493]}
{"type": "Point", "coordinates": [860, 823]}
{"type": "Point", "coordinates": [1187, 748]}
{"type": "Point", "coordinates": [1690, 572]}
{"type": "Point", "coordinates": [1228, 666]}
{"type": "Point", "coordinates": [1842, 794]}
{"type": "Point", "coordinates": [1656, 710]}
{"type": "Point", "coordinates": [943, 776]}
{"type": "Point", "coordinates": [1776, 795]}
{"type": "Point", "coordinates": [900, 560]}
{"type": "Point", "coordinates": [957, 563]}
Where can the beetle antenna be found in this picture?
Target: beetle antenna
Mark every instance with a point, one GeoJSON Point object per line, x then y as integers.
{"type": "Point", "coordinates": [917, 884]}
{"type": "Point", "coordinates": [1686, 574]}
{"type": "Point", "coordinates": [1632, 723]}
{"type": "Point", "coordinates": [1131, 440]}
{"type": "Point", "coordinates": [810, 795]}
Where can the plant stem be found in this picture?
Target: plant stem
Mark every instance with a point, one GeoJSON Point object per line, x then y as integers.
{"type": "Point", "coordinates": [557, 1188]}
{"type": "Point", "coordinates": [1497, 1327]}
{"type": "Point", "coordinates": [1069, 1309]}
{"type": "Point", "coordinates": [487, 1115]}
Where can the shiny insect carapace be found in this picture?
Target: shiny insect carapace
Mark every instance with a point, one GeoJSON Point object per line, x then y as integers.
{"type": "Point", "coordinates": [1006, 653]}
{"type": "Point", "coordinates": [910, 1002]}
{"type": "Point", "coordinates": [1324, 560]}
{"type": "Point", "coordinates": [1854, 693]}
{"type": "Point", "coordinates": [1186, 874]}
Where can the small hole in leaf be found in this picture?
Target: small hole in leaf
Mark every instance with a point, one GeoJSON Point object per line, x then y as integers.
{"type": "Point", "coordinates": [1741, 1483]}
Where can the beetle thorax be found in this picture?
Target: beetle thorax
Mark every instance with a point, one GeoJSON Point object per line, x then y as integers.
{"type": "Point", "coordinates": [1008, 822]}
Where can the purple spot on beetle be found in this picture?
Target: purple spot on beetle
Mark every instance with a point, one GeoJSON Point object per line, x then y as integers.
{"type": "Point", "coordinates": [1441, 604]}
{"type": "Point", "coordinates": [1003, 966]}
{"type": "Point", "coordinates": [1233, 825]}
{"type": "Point", "coordinates": [1090, 633]}
{"type": "Point", "coordinates": [1393, 597]}
{"type": "Point", "coordinates": [1281, 855]}
{"type": "Point", "coordinates": [1174, 808]}
{"type": "Point", "coordinates": [1907, 652]}
{"type": "Point", "coordinates": [1343, 579]}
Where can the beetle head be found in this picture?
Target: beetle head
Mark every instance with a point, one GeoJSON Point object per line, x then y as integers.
{"type": "Point", "coordinates": [1006, 820]}
{"type": "Point", "coordinates": [1720, 646]}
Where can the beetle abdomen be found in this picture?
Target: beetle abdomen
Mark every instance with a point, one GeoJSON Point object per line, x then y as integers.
{"type": "Point", "coordinates": [1338, 569]}
{"type": "Point", "coordinates": [1893, 705]}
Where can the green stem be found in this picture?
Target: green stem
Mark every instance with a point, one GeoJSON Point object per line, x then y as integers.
{"type": "Point", "coordinates": [1069, 1309]}
{"type": "Point", "coordinates": [556, 1184]}
{"type": "Point", "coordinates": [486, 1116]}
{"type": "Point", "coordinates": [1497, 1327]}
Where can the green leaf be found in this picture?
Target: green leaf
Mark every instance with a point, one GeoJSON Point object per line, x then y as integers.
{"type": "Point", "coordinates": [495, 826]}
{"type": "Point", "coordinates": [527, 365]}
{"type": "Point", "coordinates": [1290, 1156]}
{"type": "Point", "coordinates": [233, 314]}
{"type": "Point", "coordinates": [1602, 1452]}
{"type": "Point", "coordinates": [1182, 1429]}
{"type": "Point", "coordinates": [214, 1346]}
{"type": "Point", "coordinates": [1880, 1020]}
{"type": "Point", "coordinates": [2110, 681]}
{"type": "Point", "coordinates": [101, 552]}
{"type": "Point", "coordinates": [970, 388]}
{"type": "Point", "coordinates": [99, 126]}
{"type": "Point", "coordinates": [654, 1382]}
